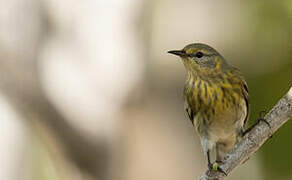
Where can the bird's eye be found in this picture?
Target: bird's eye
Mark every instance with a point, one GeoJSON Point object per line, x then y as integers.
{"type": "Point", "coordinates": [199, 54]}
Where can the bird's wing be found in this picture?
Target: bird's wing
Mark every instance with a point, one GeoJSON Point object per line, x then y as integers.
{"type": "Point", "coordinates": [189, 112]}
{"type": "Point", "coordinates": [245, 95]}
{"type": "Point", "coordinates": [239, 79]}
{"type": "Point", "coordinates": [244, 89]}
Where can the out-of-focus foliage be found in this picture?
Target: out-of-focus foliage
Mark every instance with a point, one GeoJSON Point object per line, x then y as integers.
{"type": "Point", "coordinates": [272, 45]}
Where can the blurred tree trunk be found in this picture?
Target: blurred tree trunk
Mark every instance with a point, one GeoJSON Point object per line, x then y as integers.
{"type": "Point", "coordinates": [28, 30]}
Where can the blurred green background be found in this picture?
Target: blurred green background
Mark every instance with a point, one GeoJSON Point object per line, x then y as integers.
{"type": "Point", "coordinates": [87, 90]}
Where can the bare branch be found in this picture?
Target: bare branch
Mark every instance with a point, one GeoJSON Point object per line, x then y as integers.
{"type": "Point", "coordinates": [280, 113]}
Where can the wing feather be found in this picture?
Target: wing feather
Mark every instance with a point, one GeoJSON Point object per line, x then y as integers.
{"type": "Point", "coordinates": [189, 112]}
{"type": "Point", "coordinates": [245, 96]}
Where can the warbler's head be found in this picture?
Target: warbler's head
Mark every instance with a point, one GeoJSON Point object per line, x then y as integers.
{"type": "Point", "coordinates": [201, 58]}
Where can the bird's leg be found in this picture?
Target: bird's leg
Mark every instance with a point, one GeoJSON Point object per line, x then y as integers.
{"type": "Point", "coordinates": [261, 118]}
{"type": "Point", "coordinates": [214, 166]}
{"type": "Point", "coordinates": [210, 166]}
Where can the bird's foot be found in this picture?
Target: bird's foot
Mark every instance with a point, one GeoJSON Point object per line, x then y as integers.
{"type": "Point", "coordinates": [219, 161]}
{"type": "Point", "coordinates": [216, 167]}
{"type": "Point", "coordinates": [261, 118]}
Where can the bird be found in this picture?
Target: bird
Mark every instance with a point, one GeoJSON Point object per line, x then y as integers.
{"type": "Point", "coordinates": [216, 99]}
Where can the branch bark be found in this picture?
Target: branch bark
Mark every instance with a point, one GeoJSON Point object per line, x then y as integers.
{"type": "Point", "coordinates": [250, 143]}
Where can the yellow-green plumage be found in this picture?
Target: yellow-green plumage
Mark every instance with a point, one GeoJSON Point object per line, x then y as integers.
{"type": "Point", "coordinates": [216, 98]}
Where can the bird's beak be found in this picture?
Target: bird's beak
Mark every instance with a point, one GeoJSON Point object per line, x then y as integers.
{"type": "Point", "coordinates": [177, 52]}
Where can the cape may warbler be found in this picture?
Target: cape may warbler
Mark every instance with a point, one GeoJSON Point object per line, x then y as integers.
{"type": "Point", "coordinates": [216, 98]}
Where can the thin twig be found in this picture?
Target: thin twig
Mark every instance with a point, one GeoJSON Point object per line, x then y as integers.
{"type": "Point", "coordinates": [250, 143]}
